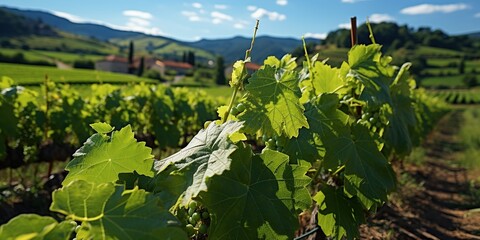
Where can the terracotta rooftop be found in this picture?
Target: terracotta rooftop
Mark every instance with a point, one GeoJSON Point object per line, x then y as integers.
{"type": "Point", "coordinates": [113, 58]}
{"type": "Point", "coordinates": [252, 66]}
{"type": "Point", "coordinates": [175, 64]}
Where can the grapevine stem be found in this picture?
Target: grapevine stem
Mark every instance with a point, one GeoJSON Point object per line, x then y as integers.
{"type": "Point", "coordinates": [371, 36]}
{"type": "Point", "coordinates": [310, 66]}
{"type": "Point", "coordinates": [237, 87]}
{"type": "Point", "coordinates": [404, 68]}
{"type": "Point", "coordinates": [338, 170]}
{"type": "Point", "coordinates": [338, 88]}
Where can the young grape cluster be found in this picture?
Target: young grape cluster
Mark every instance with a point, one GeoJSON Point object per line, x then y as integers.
{"type": "Point", "coordinates": [274, 143]}
{"type": "Point", "coordinates": [373, 120]}
{"type": "Point", "coordinates": [198, 220]}
{"type": "Point", "coordinates": [238, 109]}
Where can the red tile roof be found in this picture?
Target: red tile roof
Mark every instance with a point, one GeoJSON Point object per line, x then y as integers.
{"type": "Point", "coordinates": [252, 66]}
{"type": "Point", "coordinates": [175, 64]}
{"type": "Point", "coordinates": [113, 58]}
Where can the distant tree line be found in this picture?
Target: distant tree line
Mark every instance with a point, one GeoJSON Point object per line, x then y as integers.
{"type": "Point", "coordinates": [393, 36]}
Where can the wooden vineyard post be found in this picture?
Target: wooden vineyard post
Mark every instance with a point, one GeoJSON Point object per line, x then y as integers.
{"type": "Point", "coordinates": [353, 31]}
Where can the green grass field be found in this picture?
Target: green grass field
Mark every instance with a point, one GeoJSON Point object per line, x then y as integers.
{"type": "Point", "coordinates": [162, 46]}
{"type": "Point", "coordinates": [27, 74]}
{"type": "Point", "coordinates": [68, 57]}
{"type": "Point", "coordinates": [432, 51]}
{"type": "Point", "coordinates": [447, 81]}
{"type": "Point", "coordinates": [30, 56]}
{"type": "Point", "coordinates": [49, 56]}
{"type": "Point", "coordinates": [68, 43]}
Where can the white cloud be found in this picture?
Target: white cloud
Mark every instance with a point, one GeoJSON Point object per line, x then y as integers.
{"type": "Point", "coordinates": [345, 25]}
{"type": "Point", "coordinates": [68, 16]}
{"type": "Point", "coordinates": [220, 6]}
{"type": "Point", "coordinates": [273, 16]}
{"type": "Point", "coordinates": [378, 18]}
{"type": "Point", "coordinates": [251, 8]}
{"type": "Point", "coordinates": [477, 15]}
{"type": "Point", "coordinates": [349, 1]}
{"type": "Point", "coordinates": [197, 5]}
{"type": "Point", "coordinates": [315, 35]}
{"type": "Point", "coordinates": [137, 14]}
{"type": "Point", "coordinates": [282, 2]}
{"type": "Point", "coordinates": [240, 24]}
{"type": "Point", "coordinates": [139, 21]}
{"type": "Point", "coordinates": [219, 17]}
{"type": "Point", "coordinates": [192, 16]}
{"type": "Point", "coordinates": [430, 8]}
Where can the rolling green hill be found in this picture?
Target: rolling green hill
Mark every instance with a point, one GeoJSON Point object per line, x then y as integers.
{"type": "Point", "coordinates": [161, 46]}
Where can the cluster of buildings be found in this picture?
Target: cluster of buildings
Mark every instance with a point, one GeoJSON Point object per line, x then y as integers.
{"type": "Point", "coordinates": [118, 64]}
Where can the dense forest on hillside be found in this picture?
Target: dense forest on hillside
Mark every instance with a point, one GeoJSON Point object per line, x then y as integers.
{"type": "Point", "coordinates": [394, 36]}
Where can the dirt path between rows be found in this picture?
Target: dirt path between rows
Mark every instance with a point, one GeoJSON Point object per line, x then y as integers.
{"type": "Point", "coordinates": [435, 202]}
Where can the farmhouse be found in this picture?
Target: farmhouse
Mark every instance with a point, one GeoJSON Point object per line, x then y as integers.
{"type": "Point", "coordinates": [180, 68]}
{"type": "Point", "coordinates": [112, 63]}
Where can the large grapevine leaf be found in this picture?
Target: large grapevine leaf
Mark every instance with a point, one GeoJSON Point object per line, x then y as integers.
{"type": "Point", "coordinates": [338, 215]}
{"type": "Point", "coordinates": [397, 132]}
{"type": "Point", "coordinates": [115, 213]}
{"type": "Point", "coordinates": [366, 65]}
{"type": "Point", "coordinates": [274, 103]}
{"type": "Point", "coordinates": [324, 117]}
{"type": "Point", "coordinates": [304, 147]}
{"type": "Point", "coordinates": [102, 158]}
{"type": "Point", "coordinates": [32, 226]}
{"type": "Point", "coordinates": [207, 154]}
{"type": "Point", "coordinates": [8, 121]}
{"type": "Point", "coordinates": [325, 78]}
{"type": "Point", "coordinates": [287, 62]}
{"type": "Point", "coordinates": [257, 198]}
{"type": "Point", "coordinates": [81, 200]}
{"type": "Point", "coordinates": [368, 175]}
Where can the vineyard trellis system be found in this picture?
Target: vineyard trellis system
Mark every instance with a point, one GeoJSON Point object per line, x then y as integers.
{"type": "Point", "coordinates": [300, 137]}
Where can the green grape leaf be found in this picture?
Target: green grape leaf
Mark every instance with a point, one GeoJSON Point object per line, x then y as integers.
{"type": "Point", "coordinates": [325, 78]}
{"type": "Point", "coordinates": [102, 158]}
{"type": "Point", "coordinates": [102, 127]}
{"type": "Point", "coordinates": [325, 118]}
{"type": "Point", "coordinates": [62, 231]}
{"type": "Point", "coordinates": [206, 155]}
{"type": "Point", "coordinates": [6, 82]}
{"type": "Point", "coordinates": [258, 197]}
{"type": "Point", "coordinates": [81, 200]}
{"type": "Point", "coordinates": [273, 104]}
{"type": "Point", "coordinates": [133, 214]}
{"type": "Point", "coordinates": [8, 121]}
{"type": "Point", "coordinates": [32, 226]}
{"type": "Point", "coordinates": [397, 134]}
{"type": "Point", "coordinates": [365, 66]}
{"type": "Point", "coordinates": [304, 147]}
{"type": "Point", "coordinates": [287, 62]}
{"type": "Point", "coordinates": [364, 56]}
{"type": "Point", "coordinates": [338, 215]}
{"type": "Point", "coordinates": [368, 175]}
{"type": "Point", "coordinates": [237, 73]}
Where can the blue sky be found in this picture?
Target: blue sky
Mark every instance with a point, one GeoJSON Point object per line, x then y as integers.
{"type": "Point", "coordinates": [192, 20]}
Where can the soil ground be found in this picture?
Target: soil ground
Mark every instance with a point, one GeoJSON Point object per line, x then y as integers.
{"type": "Point", "coordinates": [435, 201]}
